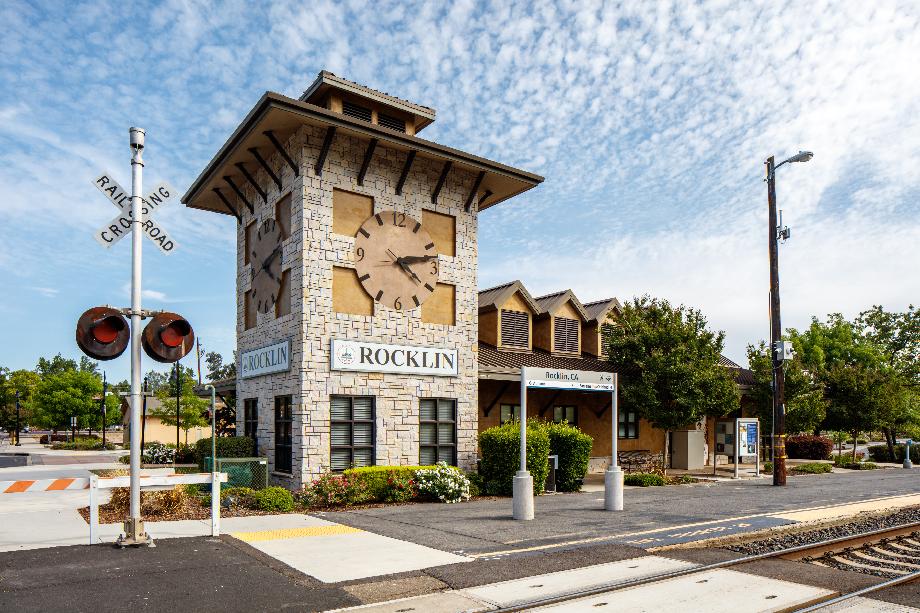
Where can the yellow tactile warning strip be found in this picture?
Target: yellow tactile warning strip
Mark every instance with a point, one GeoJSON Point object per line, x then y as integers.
{"type": "Point", "coordinates": [290, 533]}
{"type": "Point", "coordinates": [843, 510]}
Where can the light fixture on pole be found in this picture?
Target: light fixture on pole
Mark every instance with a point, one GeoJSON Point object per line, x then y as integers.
{"type": "Point", "coordinates": [778, 349]}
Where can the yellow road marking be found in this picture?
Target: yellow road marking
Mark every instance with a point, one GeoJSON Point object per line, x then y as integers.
{"type": "Point", "coordinates": [290, 533]}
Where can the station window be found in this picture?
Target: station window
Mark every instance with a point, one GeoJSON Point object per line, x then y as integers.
{"type": "Point", "coordinates": [437, 431]}
{"type": "Point", "coordinates": [628, 425]}
{"type": "Point", "coordinates": [509, 412]}
{"type": "Point", "coordinates": [565, 413]}
{"type": "Point", "coordinates": [352, 430]}
{"type": "Point", "coordinates": [251, 418]}
{"type": "Point", "coordinates": [284, 434]}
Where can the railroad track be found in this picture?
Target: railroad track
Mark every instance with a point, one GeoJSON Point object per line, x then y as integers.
{"type": "Point", "coordinates": [892, 554]}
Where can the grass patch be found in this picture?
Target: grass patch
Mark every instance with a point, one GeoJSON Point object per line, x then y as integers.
{"type": "Point", "coordinates": [644, 479]}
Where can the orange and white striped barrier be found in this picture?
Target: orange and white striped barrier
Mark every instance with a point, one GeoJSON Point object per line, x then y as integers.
{"type": "Point", "coordinates": [44, 485]}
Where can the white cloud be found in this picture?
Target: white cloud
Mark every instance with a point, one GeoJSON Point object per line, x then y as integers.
{"type": "Point", "coordinates": [47, 292]}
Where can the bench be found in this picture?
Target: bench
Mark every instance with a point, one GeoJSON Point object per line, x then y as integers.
{"type": "Point", "coordinates": [640, 460]}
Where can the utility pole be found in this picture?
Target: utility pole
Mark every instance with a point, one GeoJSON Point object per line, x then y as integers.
{"type": "Point", "coordinates": [18, 442]}
{"type": "Point", "coordinates": [198, 353]}
{"type": "Point", "coordinates": [776, 333]}
{"type": "Point", "coordinates": [105, 389]}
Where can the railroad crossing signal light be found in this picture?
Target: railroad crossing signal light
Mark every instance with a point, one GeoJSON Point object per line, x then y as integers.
{"type": "Point", "coordinates": [103, 333]}
{"type": "Point", "coordinates": [168, 337]}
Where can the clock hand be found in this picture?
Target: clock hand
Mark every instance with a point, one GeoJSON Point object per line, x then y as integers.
{"type": "Point", "coordinates": [399, 261]}
{"type": "Point", "coordinates": [271, 257]}
{"type": "Point", "coordinates": [413, 259]}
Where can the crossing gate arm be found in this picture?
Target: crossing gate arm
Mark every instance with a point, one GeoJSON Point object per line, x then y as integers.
{"type": "Point", "coordinates": [153, 483]}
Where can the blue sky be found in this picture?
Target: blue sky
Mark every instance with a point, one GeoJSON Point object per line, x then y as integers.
{"type": "Point", "coordinates": [650, 122]}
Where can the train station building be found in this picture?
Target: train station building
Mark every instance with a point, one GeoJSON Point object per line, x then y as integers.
{"type": "Point", "coordinates": [362, 336]}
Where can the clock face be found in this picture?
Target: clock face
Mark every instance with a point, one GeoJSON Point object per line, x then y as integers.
{"type": "Point", "coordinates": [396, 261]}
{"type": "Point", "coordinates": [265, 259]}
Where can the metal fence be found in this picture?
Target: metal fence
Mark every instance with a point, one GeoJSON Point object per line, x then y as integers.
{"type": "Point", "coordinates": [242, 472]}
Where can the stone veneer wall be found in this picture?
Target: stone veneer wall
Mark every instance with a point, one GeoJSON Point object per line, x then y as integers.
{"type": "Point", "coordinates": [310, 253]}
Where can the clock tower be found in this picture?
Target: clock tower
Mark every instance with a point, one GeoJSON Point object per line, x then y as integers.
{"type": "Point", "coordinates": [356, 279]}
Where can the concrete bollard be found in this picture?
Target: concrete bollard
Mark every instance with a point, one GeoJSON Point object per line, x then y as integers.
{"type": "Point", "coordinates": [907, 462]}
{"type": "Point", "coordinates": [613, 489]}
{"type": "Point", "coordinates": [523, 496]}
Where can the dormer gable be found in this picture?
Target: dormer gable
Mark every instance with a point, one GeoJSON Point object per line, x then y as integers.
{"type": "Point", "coordinates": [558, 326]}
{"type": "Point", "coordinates": [593, 330]}
{"type": "Point", "coordinates": [506, 315]}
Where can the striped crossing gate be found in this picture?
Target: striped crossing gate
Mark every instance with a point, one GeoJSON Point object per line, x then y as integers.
{"type": "Point", "coordinates": [44, 485]}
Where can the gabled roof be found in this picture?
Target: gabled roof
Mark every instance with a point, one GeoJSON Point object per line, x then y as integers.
{"type": "Point", "coordinates": [724, 361]}
{"type": "Point", "coordinates": [597, 310]}
{"type": "Point", "coordinates": [495, 297]}
{"type": "Point", "coordinates": [550, 303]}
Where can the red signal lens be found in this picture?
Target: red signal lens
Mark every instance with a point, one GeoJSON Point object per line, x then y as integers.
{"type": "Point", "coordinates": [106, 330]}
{"type": "Point", "coordinates": [173, 334]}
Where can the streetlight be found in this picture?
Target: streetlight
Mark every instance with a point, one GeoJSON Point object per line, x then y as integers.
{"type": "Point", "coordinates": [777, 347]}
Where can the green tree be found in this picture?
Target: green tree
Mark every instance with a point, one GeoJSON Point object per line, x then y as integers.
{"type": "Point", "coordinates": [24, 382]}
{"type": "Point", "coordinates": [669, 365]}
{"type": "Point", "coordinates": [63, 394]}
{"type": "Point", "coordinates": [217, 369]}
{"type": "Point", "coordinates": [858, 398]}
{"type": "Point", "coordinates": [805, 404]}
{"type": "Point", "coordinates": [191, 407]}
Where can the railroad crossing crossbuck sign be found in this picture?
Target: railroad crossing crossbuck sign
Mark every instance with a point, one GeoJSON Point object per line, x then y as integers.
{"type": "Point", "coordinates": [121, 226]}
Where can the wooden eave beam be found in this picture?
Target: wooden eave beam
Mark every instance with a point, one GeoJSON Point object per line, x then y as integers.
{"type": "Point", "coordinates": [282, 151]}
{"type": "Point", "coordinates": [268, 169]}
{"type": "Point", "coordinates": [367, 160]}
{"type": "Point", "coordinates": [240, 194]}
{"type": "Point", "coordinates": [405, 172]}
{"type": "Point", "coordinates": [552, 399]}
{"type": "Point", "coordinates": [327, 142]}
{"type": "Point", "coordinates": [441, 179]}
{"type": "Point", "coordinates": [475, 189]}
{"type": "Point", "coordinates": [232, 208]}
{"type": "Point", "coordinates": [252, 181]}
{"type": "Point", "coordinates": [498, 396]}
{"type": "Point", "coordinates": [485, 196]}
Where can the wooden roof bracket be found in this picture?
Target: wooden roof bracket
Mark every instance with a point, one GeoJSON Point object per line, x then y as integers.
{"type": "Point", "coordinates": [441, 179]}
{"type": "Point", "coordinates": [405, 172]}
{"type": "Point", "coordinates": [475, 189]}
{"type": "Point", "coordinates": [547, 406]}
{"type": "Point", "coordinates": [602, 410]}
{"type": "Point", "coordinates": [240, 194]}
{"type": "Point", "coordinates": [485, 196]}
{"type": "Point", "coordinates": [327, 142]}
{"type": "Point", "coordinates": [367, 160]}
{"type": "Point", "coordinates": [501, 392]}
{"type": "Point", "coordinates": [252, 181]}
{"type": "Point", "coordinates": [232, 208]}
{"type": "Point", "coordinates": [265, 166]}
{"type": "Point", "coordinates": [282, 151]}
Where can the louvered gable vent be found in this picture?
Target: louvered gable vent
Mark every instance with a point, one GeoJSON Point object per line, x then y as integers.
{"type": "Point", "coordinates": [565, 331]}
{"type": "Point", "coordinates": [515, 329]}
{"type": "Point", "coordinates": [354, 110]}
{"type": "Point", "coordinates": [391, 122]}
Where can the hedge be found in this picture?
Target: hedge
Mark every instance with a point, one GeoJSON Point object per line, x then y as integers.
{"type": "Point", "coordinates": [812, 468]}
{"type": "Point", "coordinates": [808, 447]}
{"type": "Point", "coordinates": [227, 447]}
{"type": "Point", "coordinates": [574, 450]}
{"type": "Point", "coordinates": [643, 479]}
{"type": "Point", "coordinates": [500, 447]}
{"type": "Point", "coordinates": [373, 479]}
{"type": "Point", "coordinates": [879, 453]}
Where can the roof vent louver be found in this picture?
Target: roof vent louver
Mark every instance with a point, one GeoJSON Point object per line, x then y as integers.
{"type": "Point", "coordinates": [388, 121]}
{"type": "Point", "coordinates": [354, 110]}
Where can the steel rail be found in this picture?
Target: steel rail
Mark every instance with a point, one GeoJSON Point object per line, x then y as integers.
{"type": "Point", "coordinates": [866, 590]}
{"type": "Point", "coordinates": [620, 585]}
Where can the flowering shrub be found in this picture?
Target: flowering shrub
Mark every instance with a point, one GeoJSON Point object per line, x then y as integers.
{"type": "Point", "coordinates": [400, 488]}
{"type": "Point", "coordinates": [158, 453]}
{"type": "Point", "coordinates": [332, 491]}
{"type": "Point", "coordinates": [446, 483]}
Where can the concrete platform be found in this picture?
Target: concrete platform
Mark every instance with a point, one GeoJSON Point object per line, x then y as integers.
{"type": "Point", "coordinates": [332, 552]}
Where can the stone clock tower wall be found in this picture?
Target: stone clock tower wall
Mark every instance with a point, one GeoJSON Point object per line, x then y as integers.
{"type": "Point", "coordinates": [311, 253]}
{"type": "Point", "coordinates": [319, 167]}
